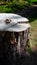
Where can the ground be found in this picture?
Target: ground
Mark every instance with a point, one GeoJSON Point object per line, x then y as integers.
{"type": "Point", "coordinates": [33, 39]}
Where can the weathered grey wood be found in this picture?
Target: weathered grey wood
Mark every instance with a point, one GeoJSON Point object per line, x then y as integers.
{"type": "Point", "coordinates": [18, 46]}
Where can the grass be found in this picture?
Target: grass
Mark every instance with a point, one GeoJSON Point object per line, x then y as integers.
{"type": "Point", "coordinates": [33, 0]}
{"type": "Point", "coordinates": [33, 39]}
{"type": "Point", "coordinates": [5, 9]}
{"type": "Point", "coordinates": [11, 7]}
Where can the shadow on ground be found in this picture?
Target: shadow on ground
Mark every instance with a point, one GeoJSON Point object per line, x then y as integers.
{"type": "Point", "coordinates": [23, 60]}
{"type": "Point", "coordinates": [29, 12]}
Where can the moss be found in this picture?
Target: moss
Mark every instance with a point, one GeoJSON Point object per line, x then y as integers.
{"type": "Point", "coordinates": [29, 50]}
